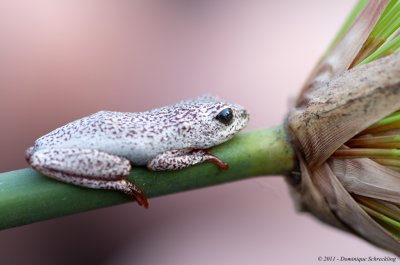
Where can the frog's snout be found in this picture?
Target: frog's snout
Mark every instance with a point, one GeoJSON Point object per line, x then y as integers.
{"type": "Point", "coordinates": [244, 116]}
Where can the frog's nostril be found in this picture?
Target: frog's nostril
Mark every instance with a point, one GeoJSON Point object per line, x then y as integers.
{"type": "Point", "coordinates": [244, 114]}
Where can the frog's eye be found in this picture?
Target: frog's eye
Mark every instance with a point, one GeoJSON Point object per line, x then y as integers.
{"type": "Point", "coordinates": [225, 116]}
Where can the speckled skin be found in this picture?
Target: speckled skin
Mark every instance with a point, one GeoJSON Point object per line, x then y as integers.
{"type": "Point", "coordinates": [97, 151]}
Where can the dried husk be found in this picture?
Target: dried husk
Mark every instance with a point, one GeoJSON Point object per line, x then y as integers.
{"type": "Point", "coordinates": [341, 55]}
{"type": "Point", "coordinates": [353, 185]}
{"type": "Point", "coordinates": [329, 115]}
{"type": "Point", "coordinates": [326, 116]}
{"type": "Point", "coordinates": [335, 105]}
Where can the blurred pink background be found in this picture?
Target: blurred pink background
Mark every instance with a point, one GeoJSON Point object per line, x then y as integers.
{"type": "Point", "coordinates": [62, 60]}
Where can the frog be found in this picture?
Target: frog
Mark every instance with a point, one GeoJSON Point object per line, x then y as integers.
{"type": "Point", "coordinates": [98, 151]}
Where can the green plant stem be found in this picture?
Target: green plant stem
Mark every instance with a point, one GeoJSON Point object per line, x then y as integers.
{"type": "Point", "coordinates": [27, 196]}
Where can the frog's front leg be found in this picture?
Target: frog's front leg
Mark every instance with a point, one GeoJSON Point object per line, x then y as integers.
{"type": "Point", "coordinates": [87, 168]}
{"type": "Point", "coordinates": [182, 158]}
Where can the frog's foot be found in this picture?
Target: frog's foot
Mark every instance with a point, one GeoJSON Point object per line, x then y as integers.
{"type": "Point", "coordinates": [87, 168]}
{"type": "Point", "coordinates": [178, 159]}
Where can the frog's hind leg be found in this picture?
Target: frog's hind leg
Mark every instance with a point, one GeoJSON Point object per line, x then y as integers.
{"type": "Point", "coordinates": [87, 168]}
{"type": "Point", "coordinates": [182, 158]}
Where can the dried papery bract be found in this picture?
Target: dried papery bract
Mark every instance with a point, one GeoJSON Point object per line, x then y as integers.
{"type": "Point", "coordinates": [327, 117]}
{"type": "Point", "coordinates": [343, 52]}
{"type": "Point", "coordinates": [330, 115]}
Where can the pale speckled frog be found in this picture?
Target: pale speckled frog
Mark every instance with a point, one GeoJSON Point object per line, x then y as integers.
{"type": "Point", "coordinates": [97, 151]}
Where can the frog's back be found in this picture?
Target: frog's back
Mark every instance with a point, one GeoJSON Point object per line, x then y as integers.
{"type": "Point", "coordinates": [118, 133]}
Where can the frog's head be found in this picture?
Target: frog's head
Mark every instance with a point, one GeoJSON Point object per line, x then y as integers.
{"type": "Point", "coordinates": [212, 121]}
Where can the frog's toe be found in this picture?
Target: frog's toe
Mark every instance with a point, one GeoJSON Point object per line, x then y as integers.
{"type": "Point", "coordinates": [137, 194]}
{"type": "Point", "coordinates": [223, 166]}
{"type": "Point", "coordinates": [141, 200]}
